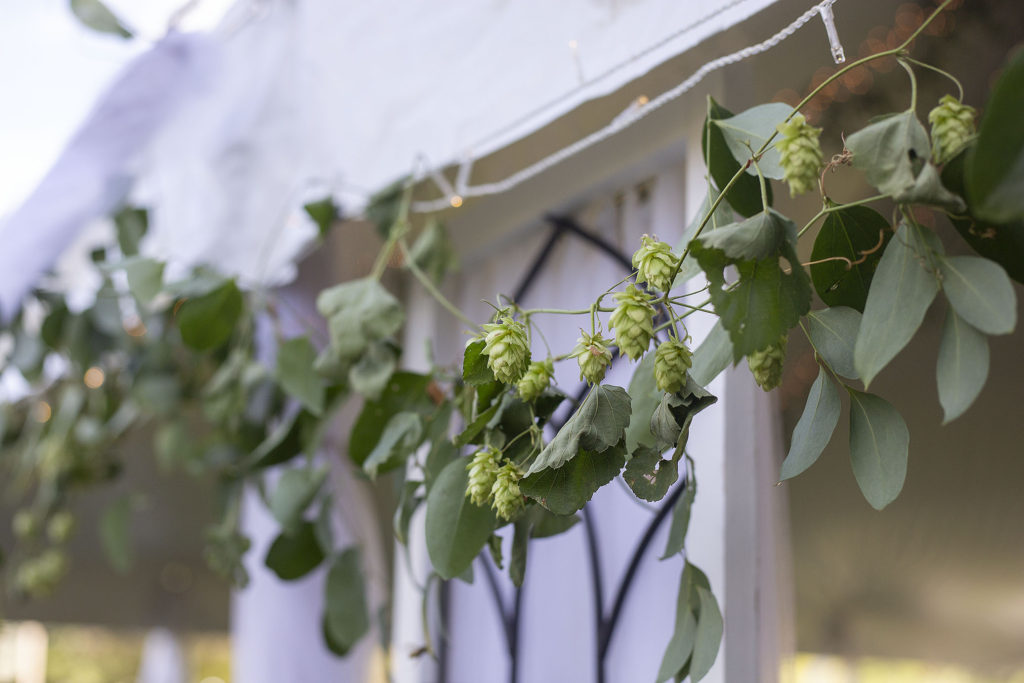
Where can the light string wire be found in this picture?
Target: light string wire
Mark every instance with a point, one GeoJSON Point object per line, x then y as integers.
{"type": "Point", "coordinates": [635, 112]}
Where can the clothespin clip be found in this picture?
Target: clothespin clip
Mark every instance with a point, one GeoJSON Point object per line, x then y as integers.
{"type": "Point", "coordinates": [825, 10]}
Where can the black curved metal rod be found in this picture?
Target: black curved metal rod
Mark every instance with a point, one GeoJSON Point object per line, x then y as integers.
{"type": "Point", "coordinates": [570, 224]}
{"type": "Point", "coordinates": [597, 584]}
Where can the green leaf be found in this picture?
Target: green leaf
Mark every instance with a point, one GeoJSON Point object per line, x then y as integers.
{"type": "Point", "coordinates": [283, 443]}
{"type": "Point", "coordinates": [145, 277]}
{"type": "Point", "coordinates": [568, 488]}
{"type": "Point", "coordinates": [712, 356]}
{"type": "Point", "coordinates": [814, 429]}
{"type": "Point", "coordinates": [598, 424]}
{"type": "Point", "coordinates": [472, 431]}
{"type": "Point", "coordinates": [456, 529]}
{"type": "Point", "coordinates": [520, 545]}
{"type": "Point", "coordinates": [115, 532]}
{"type": "Point", "coordinates": [680, 646]}
{"type": "Point", "coordinates": [371, 372]}
{"type": "Point", "coordinates": [359, 312]}
{"type": "Point", "coordinates": [963, 366]}
{"type": "Point", "coordinates": [408, 501]}
{"type": "Point", "coordinates": [758, 237]}
{"type": "Point", "coordinates": [401, 436]}
{"type": "Point", "coordinates": [432, 251]}
{"type": "Point", "coordinates": [709, 635]}
{"type": "Point", "coordinates": [929, 190]}
{"type": "Point", "coordinates": [833, 332]}
{"type": "Point", "coordinates": [98, 17]}
{"type": "Point", "coordinates": [723, 216]}
{"type": "Point", "coordinates": [850, 233]}
{"type": "Point", "coordinates": [748, 130]}
{"type": "Point", "coordinates": [406, 391]}
{"type": "Point", "coordinates": [131, 224]}
{"type": "Point", "coordinates": [545, 523]}
{"type": "Point", "coordinates": [323, 212]}
{"type": "Point", "coordinates": [980, 292]}
{"type": "Point", "coordinates": [644, 398]}
{"type": "Point", "coordinates": [745, 195]}
{"type": "Point", "coordinates": [901, 292]}
{"type": "Point", "coordinates": [680, 519]}
{"type": "Point", "coordinates": [650, 476]}
{"type": "Point", "coordinates": [474, 364]}
{"type": "Point", "coordinates": [206, 322]}
{"type": "Point", "coordinates": [293, 554]}
{"type": "Point", "coordinates": [296, 375]}
{"type": "Point", "coordinates": [766, 302]}
{"type": "Point", "coordinates": [295, 491]}
{"type": "Point", "coordinates": [891, 152]}
{"type": "Point", "coordinates": [384, 207]}
{"type": "Point", "coordinates": [995, 169]}
{"type": "Point", "coordinates": [346, 618]}
{"type": "Point", "coordinates": [670, 423]}
{"type": "Point", "coordinates": [879, 443]}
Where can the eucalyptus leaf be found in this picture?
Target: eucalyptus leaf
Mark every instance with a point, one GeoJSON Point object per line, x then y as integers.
{"type": "Point", "coordinates": [879, 443]}
{"type": "Point", "coordinates": [929, 190]}
{"type": "Point", "coordinates": [858, 234]}
{"type": "Point", "coordinates": [708, 638]}
{"type": "Point", "coordinates": [293, 554]}
{"type": "Point", "coordinates": [962, 366]}
{"type": "Point", "coordinates": [568, 488]}
{"type": "Point", "coordinates": [598, 424]}
{"type": "Point", "coordinates": [891, 152]}
{"type": "Point", "coordinates": [96, 15]}
{"type": "Point", "coordinates": [295, 490]}
{"type": "Point", "coordinates": [980, 292]}
{"type": "Point", "coordinates": [833, 332]}
{"type": "Point", "coordinates": [680, 519]}
{"type": "Point", "coordinates": [644, 398]}
{"type": "Point", "coordinates": [746, 132]}
{"type": "Point", "coordinates": [456, 529]}
{"type": "Point", "coordinates": [346, 617]}
{"type": "Point", "coordinates": [712, 357]}
{"type": "Point", "coordinates": [680, 645]}
{"type": "Point", "coordinates": [814, 428]}
{"type": "Point", "coordinates": [901, 292]}
{"type": "Point", "coordinates": [207, 321]}
{"type": "Point", "coordinates": [295, 373]}
{"type": "Point", "coordinates": [745, 195]}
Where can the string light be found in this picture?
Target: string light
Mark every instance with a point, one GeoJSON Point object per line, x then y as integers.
{"type": "Point", "coordinates": [94, 378]}
{"type": "Point", "coordinates": [42, 412]}
{"type": "Point", "coordinates": [455, 201]}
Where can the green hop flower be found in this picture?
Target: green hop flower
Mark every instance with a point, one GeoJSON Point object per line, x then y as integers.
{"type": "Point", "coordinates": [507, 498]}
{"type": "Point", "coordinates": [536, 379]}
{"type": "Point", "coordinates": [39, 576]}
{"type": "Point", "coordinates": [593, 355]}
{"type": "Point", "coordinates": [952, 128]}
{"type": "Point", "coordinates": [655, 263]}
{"type": "Point", "coordinates": [60, 526]}
{"type": "Point", "coordinates": [767, 365]}
{"type": "Point", "coordinates": [507, 349]}
{"type": "Point", "coordinates": [483, 470]}
{"type": "Point", "coordinates": [671, 361]}
{"type": "Point", "coordinates": [633, 321]}
{"type": "Point", "coordinates": [800, 154]}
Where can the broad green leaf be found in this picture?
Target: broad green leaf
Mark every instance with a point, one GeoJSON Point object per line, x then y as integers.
{"type": "Point", "coordinates": [708, 638]}
{"type": "Point", "coordinates": [995, 169]}
{"type": "Point", "coordinates": [145, 277]}
{"type": "Point", "coordinates": [670, 423]}
{"type": "Point", "coordinates": [98, 17]}
{"type": "Point", "coordinates": [901, 292]}
{"type": "Point", "coordinates": [963, 366]}
{"type": "Point", "coordinates": [296, 375]}
{"type": "Point", "coordinates": [851, 233]}
{"type": "Point", "coordinates": [929, 190]}
{"type": "Point", "coordinates": [879, 443]}
{"type": "Point", "coordinates": [745, 195]}
{"type": "Point", "coordinates": [131, 224]}
{"type": "Point", "coordinates": [474, 364]}
{"type": "Point", "coordinates": [115, 533]}
{"type": "Point", "coordinates": [833, 332]}
{"type": "Point", "coordinates": [598, 424]}
{"type": "Point", "coordinates": [456, 529]}
{"type": "Point", "coordinates": [650, 476]}
{"type": "Point", "coordinates": [323, 525]}
{"type": "Point", "coordinates": [324, 213]}
{"type": "Point", "coordinates": [401, 436]}
{"type": "Point", "coordinates": [644, 398]}
{"type": "Point", "coordinates": [359, 312]}
{"type": "Point", "coordinates": [207, 321]}
{"type": "Point", "coordinates": [891, 152]}
{"type": "Point", "coordinates": [371, 372]}
{"type": "Point", "coordinates": [295, 491]}
{"type": "Point", "coordinates": [546, 523]}
{"type": "Point", "coordinates": [680, 645]}
{"type": "Point", "coordinates": [680, 519]}
{"type": "Point", "coordinates": [999, 242]}
{"type": "Point", "coordinates": [712, 356]}
{"type": "Point", "coordinates": [762, 235]}
{"type": "Point", "coordinates": [748, 130]}
{"type": "Point", "coordinates": [406, 391]}
{"type": "Point", "coordinates": [432, 251]}
{"type": "Point", "coordinates": [766, 302]}
{"type": "Point", "coordinates": [384, 207]}
{"type": "Point", "coordinates": [293, 554]}
{"type": "Point", "coordinates": [520, 546]}
{"type": "Point", "coordinates": [284, 442]}
{"type": "Point", "coordinates": [723, 215]}
{"type": "Point", "coordinates": [568, 488]}
{"type": "Point", "coordinates": [408, 501]}
{"type": "Point", "coordinates": [346, 618]}
{"type": "Point", "coordinates": [814, 429]}
{"type": "Point", "coordinates": [472, 431]}
{"type": "Point", "coordinates": [980, 292]}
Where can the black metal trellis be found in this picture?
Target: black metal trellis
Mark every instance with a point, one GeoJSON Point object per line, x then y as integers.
{"type": "Point", "coordinates": [605, 622]}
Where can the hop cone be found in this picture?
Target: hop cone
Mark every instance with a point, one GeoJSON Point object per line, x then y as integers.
{"type": "Point", "coordinates": [671, 361]}
{"type": "Point", "coordinates": [536, 379]}
{"type": "Point", "coordinates": [655, 263]}
{"type": "Point", "coordinates": [767, 365]}
{"type": "Point", "coordinates": [593, 355]}
{"type": "Point", "coordinates": [800, 154]}
{"type": "Point", "coordinates": [507, 349]}
{"type": "Point", "coordinates": [633, 321]}
{"type": "Point", "coordinates": [952, 128]}
{"type": "Point", "coordinates": [483, 470]}
{"type": "Point", "coordinates": [507, 498]}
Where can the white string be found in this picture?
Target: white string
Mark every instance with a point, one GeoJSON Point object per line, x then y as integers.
{"type": "Point", "coordinates": [627, 118]}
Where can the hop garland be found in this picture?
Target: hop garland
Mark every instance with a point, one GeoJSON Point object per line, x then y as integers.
{"type": "Point", "coordinates": [483, 470]}
{"type": "Point", "coordinates": [767, 365]}
{"type": "Point", "coordinates": [671, 362]}
{"type": "Point", "coordinates": [633, 322]}
{"type": "Point", "coordinates": [952, 128]}
{"type": "Point", "coordinates": [507, 349]}
{"type": "Point", "coordinates": [593, 355]}
{"type": "Point", "coordinates": [508, 500]}
{"type": "Point", "coordinates": [800, 154]}
{"type": "Point", "coordinates": [655, 263]}
{"type": "Point", "coordinates": [536, 379]}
